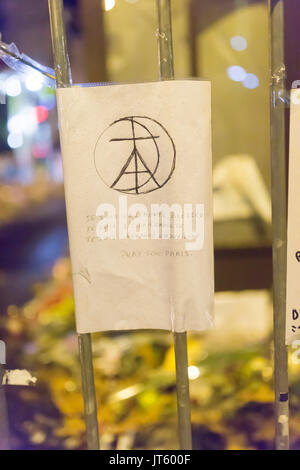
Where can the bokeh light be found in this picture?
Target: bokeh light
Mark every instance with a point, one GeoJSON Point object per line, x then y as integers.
{"type": "Point", "coordinates": [236, 73]}
{"type": "Point", "coordinates": [41, 114]}
{"type": "Point", "coordinates": [238, 43]}
{"type": "Point", "coordinates": [34, 82]}
{"type": "Point", "coordinates": [251, 81]}
{"type": "Point", "coordinates": [16, 123]}
{"type": "Point", "coordinates": [193, 372]}
{"type": "Point", "coordinates": [13, 86]}
{"type": "Point", "coordinates": [15, 140]}
{"type": "Point", "coordinates": [30, 119]}
{"type": "Point", "coordinates": [109, 4]}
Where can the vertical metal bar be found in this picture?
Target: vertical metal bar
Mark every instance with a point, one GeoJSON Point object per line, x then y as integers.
{"type": "Point", "coordinates": [64, 79]}
{"type": "Point", "coordinates": [183, 394]}
{"type": "Point", "coordinates": [165, 40]}
{"type": "Point", "coordinates": [4, 432]}
{"type": "Point", "coordinates": [166, 65]}
{"type": "Point", "coordinates": [59, 44]}
{"type": "Point", "coordinates": [279, 208]}
{"type": "Point", "coordinates": [89, 393]}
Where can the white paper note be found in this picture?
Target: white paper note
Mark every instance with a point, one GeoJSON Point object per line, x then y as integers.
{"type": "Point", "coordinates": [137, 168]}
{"type": "Point", "coordinates": [293, 251]}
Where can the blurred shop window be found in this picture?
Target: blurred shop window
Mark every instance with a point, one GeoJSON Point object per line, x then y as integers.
{"type": "Point", "coordinates": [28, 128]}
{"type": "Point", "coordinates": [230, 47]}
{"type": "Point", "coordinates": [131, 40]}
{"type": "Point", "coordinates": [242, 204]}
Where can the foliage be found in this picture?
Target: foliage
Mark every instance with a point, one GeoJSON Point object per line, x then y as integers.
{"type": "Point", "coordinates": [231, 391]}
{"type": "Point", "coordinates": [17, 199]}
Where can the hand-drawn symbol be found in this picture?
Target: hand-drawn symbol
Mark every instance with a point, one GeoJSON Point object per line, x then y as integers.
{"type": "Point", "coordinates": [295, 314]}
{"type": "Point", "coordinates": [135, 155]}
{"type": "Point", "coordinates": [298, 256]}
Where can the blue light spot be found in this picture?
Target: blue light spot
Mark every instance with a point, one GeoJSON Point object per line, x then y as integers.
{"type": "Point", "coordinates": [238, 43]}
{"type": "Point", "coordinates": [236, 73]}
{"type": "Point", "coordinates": [251, 81]}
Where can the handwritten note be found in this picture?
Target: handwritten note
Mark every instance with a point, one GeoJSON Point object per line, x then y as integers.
{"type": "Point", "coordinates": [137, 168]}
{"type": "Point", "coordinates": [293, 250]}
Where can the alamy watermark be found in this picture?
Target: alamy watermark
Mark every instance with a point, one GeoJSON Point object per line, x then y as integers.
{"type": "Point", "coordinates": [160, 222]}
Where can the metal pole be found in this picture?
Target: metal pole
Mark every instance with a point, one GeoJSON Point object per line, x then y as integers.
{"type": "Point", "coordinates": [4, 432]}
{"type": "Point", "coordinates": [64, 79]}
{"type": "Point", "coordinates": [59, 44]}
{"type": "Point", "coordinates": [166, 65]}
{"type": "Point", "coordinates": [89, 394]}
{"type": "Point", "coordinates": [165, 40]}
{"type": "Point", "coordinates": [183, 394]}
{"type": "Point", "coordinates": [279, 208]}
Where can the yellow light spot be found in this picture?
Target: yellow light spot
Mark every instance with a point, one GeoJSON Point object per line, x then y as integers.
{"type": "Point", "coordinates": [109, 4]}
{"type": "Point", "coordinates": [193, 372]}
{"type": "Point", "coordinates": [128, 392]}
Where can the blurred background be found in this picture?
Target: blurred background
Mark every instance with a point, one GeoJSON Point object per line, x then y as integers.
{"type": "Point", "coordinates": [231, 366]}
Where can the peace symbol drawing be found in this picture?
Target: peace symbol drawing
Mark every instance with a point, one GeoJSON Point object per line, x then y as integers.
{"type": "Point", "coordinates": [135, 155]}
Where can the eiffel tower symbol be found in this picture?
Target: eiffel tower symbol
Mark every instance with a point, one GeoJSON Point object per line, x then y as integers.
{"type": "Point", "coordinates": [135, 164]}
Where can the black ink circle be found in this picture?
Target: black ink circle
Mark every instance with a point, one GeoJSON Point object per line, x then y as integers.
{"type": "Point", "coordinates": [136, 157]}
